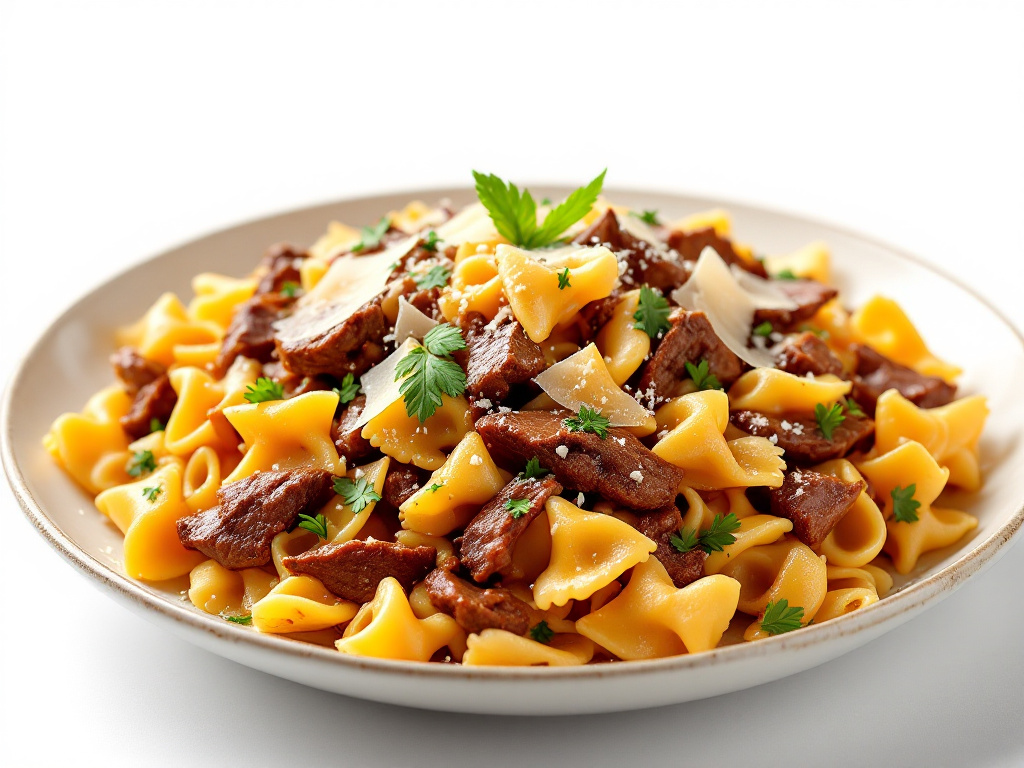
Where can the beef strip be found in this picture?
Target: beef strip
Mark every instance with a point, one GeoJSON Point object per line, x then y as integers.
{"type": "Point", "coordinates": [475, 609]}
{"type": "Point", "coordinates": [582, 461]}
{"type": "Point", "coordinates": [155, 400]}
{"type": "Point", "coordinates": [807, 353]}
{"type": "Point", "coordinates": [324, 338]}
{"type": "Point", "coordinates": [645, 262]}
{"type": "Point", "coordinates": [874, 373]}
{"type": "Point", "coordinates": [595, 315]}
{"type": "Point", "coordinates": [815, 502]}
{"type": "Point", "coordinates": [281, 264]}
{"type": "Point", "coordinates": [347, 436]}
{"type": "Point", "coordinates": [252, 511]}
{"type": "Point", "coordinates": [496, 359]}
{"type": "Point", "coordinates": [402, 481]}
{"type": "Point", "coordinates": [251, 332]}
{"type": "Point", "coordinates": [490, 538]}
{"type": "Point", "coordinates": [802, 440]}
{"type": "Point", "coordinates": [690, 339]}
{"type": "Point", "coordinates": [134, 370]}
{"type": "Point", "coordinates": [660, 526]}
{"type": "Point", "coordinates": [353, 570]}
{"type": "Point", "coordinates": [689, 245]}
{"type": "Point", "coordinates": [809, 296]}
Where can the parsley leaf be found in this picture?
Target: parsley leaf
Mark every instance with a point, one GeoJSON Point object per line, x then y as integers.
{"type": "Point", "coordinates": [371, 236]}
{"type": "Point", "coordinates": [702, 376]}
{"type": "Point", "coordinates": [904, 506]}
{"type": "Point", "coordinates": [349, 389]}
{"type": "Point", "coordinates": [546, 201]}
{"type": "Point", "coordinates": [155, 425]}
{"type": "Point", "coordinates": [652, 312]}
{"type": "Point", "coordinates": [563, 280]}
{"type": "Point", "coordinates": [764, 329]}
{"type": "Point", "coordinates": [435, 487]}
{"type": "Point", "coordinates": [786, 274]}
{"type": "Point", "coordinates": [150, 494]}
{"type": "Point", "coordinates": [317, 525]}
{"type": "Point", "coordinates": [779, 617]}
{"type": "Point", "coordinates": [647, 217]}
{"type": "Point", "coordinates": [429, 372]}
{"type": "Point", "coordinates": [355, 493]}
{"type": "Point", "coordinates": [431, 241]}
{"type": "Point", "coordinates": [714, 539]}
{"type": "Point", "coordinates": [141, 463]}
{"type": "Point", "coordinates": [435, 277]}
{"type": "Point", "coordinates": [542, 633]}
{"type": "Point", "coordinates": [821, 333]}
{"type": "Point", "coordinates": [533, 469]}
{"type": "Point", "coordinates": [852, 408]}
{"type": "Point", "coordinates": [515, 214]}
{"type": "Point", "coordinates": [444, 339]}
{"type": "Point", "coordinates": [683, 541]}
{"type": "Point", "coordinates": [290, 288]}
{"type": "Point", "coordinates": [828, 418]}
{"type": "Point", "coordinates": [517, 507]}
{"type": "Point", "coordinates": [264, 390]}
{"type": "Point", "coordinates": [589, 420]}
{"type": "Point", "coordinates": [239, 619]}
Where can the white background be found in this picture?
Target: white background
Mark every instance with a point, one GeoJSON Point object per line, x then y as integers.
{"type": "Point", "coordinates": [129, 127]}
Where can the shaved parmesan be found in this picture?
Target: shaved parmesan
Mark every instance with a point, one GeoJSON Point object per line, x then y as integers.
{"type": "Point", "coordinates": [470, 225]}
{"type": "Point", "coordinates": [583, 379]}
{"type": "Point", "coordinates": [411, 323]}
{"type": "Point", "coordinates": [729, 298]}
{"type": "Point", "coordinates": [379, 384]}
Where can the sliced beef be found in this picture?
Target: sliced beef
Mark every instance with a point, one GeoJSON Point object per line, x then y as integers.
{"type": "Point", "coordinates": [496, 359]}
{"type": "Point", "coordinates": [815, 502]}
{"type": "Point", "coordinates": [874, 373]}
{"type": "Point", "coordinates": [807, 353]}
{"type": "Point", "coordinates": [353, 570]}
{"type": "Point", "coordinates": [402, 481]}
{"type": "Point", "coordinates": [252, 511]}
{"type": "Point", "coordinates": [645, 262]}
{"type": "Point", "coordinates": [281, 264]}
{"type": "Point", "coordinates": [475, 609]}
{"type": "Point", "coordinates": [800, 436]}
{"type": "Point", "coordinates": [582, 461]}
{"type": "Point", "coordinates": [490, 538]}
{"type": "Point", "coordinates": [134, 370]}
{"type": "Point", "coordinates": [251, 333]}
{"type": "Point", "coordinates": [155, 400]}
{"type": "Point", "coordinates": [660, 526]}
{"type": "Point", "coordinates": [595, 315]}
{"type": "Point", "coordinates": [324, 338]}
{"type": "Point", "coordinates": [347, 436]}
{"type": "Point", "coordinates": [809, 296]}
{"type": "Point", "coordinates": [690, 340]}
{"type": "Point", "coordinates": [689, 245]}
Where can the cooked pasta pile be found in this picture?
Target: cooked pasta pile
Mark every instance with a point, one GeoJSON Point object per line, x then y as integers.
{"type": "Point", "coordinates": [526, 434]}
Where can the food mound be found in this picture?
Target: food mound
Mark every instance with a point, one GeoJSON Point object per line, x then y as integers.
{"type": "Point", "coordinates": [526, 433]}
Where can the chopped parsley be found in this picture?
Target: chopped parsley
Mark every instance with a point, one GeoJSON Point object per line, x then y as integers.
{"type": "Point", "coordinates": [652, 313]}
{"type": "Point", "coordinates": [263, 391]}
{"type": "Point", "coordinates": [714, 539]}
{"type": "Point", "coordinates": [589, 420]}
{"type": "Point", "coordinates": [239, 619]}
{"type": "Point", "coordinates": [317, 525]}
{"type": "Point", "coordinates": [155, 425]}
{"type": "Point", "coordinates": [647, 217]}
{"type": "Point", "coordinates": [821, 333]}
{"type": "Point", "coordinates": [852, 408]}
{"type": "Point", "coordinates": [542, 633]}
{"type": "Point", "coordinates": [785, 274]}
{"type": "Point", "coordinates": [371, 236]}
{"type": "Point", "coordinates": [517, 507]}
{"type": "Point", "coordinates": [904, 506]}
{"type": "Point", "coordinates": [515, 214]}
{"type": "Point", "coordinates": [150, 494]}
{"type": "Point", "coordinates": [533, 469]}
{"type": "Point", "coordinates": [355, 493]}
{"type": "Point", "coordinates": [431, 241]}
{"type": "Point", "coordinates": [702, 376]}
{"type": "Point", "coordinates": [779, 617]}
{"type": "Point", "coordinates": [435, 277]}
{"type": "Point", "coordinates": [563, 280]}
{"type": "Point", "coordinates": [546, 201]}
{"type": "Point", "coordinates": [429, 372]}
{"type": "Point", "coordinates": [290, 288]}
{"type": "Point", "coordinates": [141, 463]}
{"type": "Point", "coordinates": [349, 389]}
{"type": "Point", "coordinates": [435, 487]}
{"type": "Point", "coordinates": [765, 329]}
{"type": "Point", "coordinates": [828, 418]}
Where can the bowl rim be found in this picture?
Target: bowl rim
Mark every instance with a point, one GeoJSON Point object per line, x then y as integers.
{"type": "Point", "coordinates": [906, 602]}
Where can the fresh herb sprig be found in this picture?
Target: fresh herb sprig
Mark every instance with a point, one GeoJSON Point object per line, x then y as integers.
{"type": "Point", "coordinates": [647, 217]}
{"type": "Point", "coordinates": [764, 329]}
{"type": "Point", "coordinates": [785, 274]}
{"type": "Point", "coordinates": [317, 525]}
{"type": "Point", "coordinates": [428, 372]}
{"type": "Point", "coordinates": [652, 313]}
{"type": "Point", "coordinates": [150, 494]}
{"type": "Point", "coordinates": [355, 493]}
{"type": "Point", "coordinates": [430, 242]}
{"type": "Point", "coordinates": [517, 507]}
{"type": "Point", "coordinates": [702, 376]}
{"type": "Point", "coordinates": [264, 390]}
{"type": "Point", "coordinates": [853, 408]}
{"type": "Point", "coordinates": [435, 487]}
{"type": "Point", "coordinates": [563, 279]}
{"type": "Point", "coordinates": [371, 236]}
{"type": "Point", "coordinates": [828, 418]}
{"type": "Point", "coordinates": [290, 289]}
{"type": "Point", "coordinates": [904, 505]}
{"type": "Point", "coordinates": [245, 620]}
{"type": "Point", "coordinates": [349, 389]}
{"type": "Point", "coordinates": [589, 420]}
{"type": "Point", "coordinates": [435, 277]}
{"type": "Point", "coordinates": [533, 469]}
{"type": "Point", "coordinates": [714, 539]}
{"type": "Point", "coordinates": [542, 633]}
{"type": "Point", "coordinates": [778, 617]}
{"type": "Point", "coordinates": [141, 463]}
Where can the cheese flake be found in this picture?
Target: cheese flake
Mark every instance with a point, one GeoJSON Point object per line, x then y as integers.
{"type": "Point", "coordinates": [411, 323]}
{"type": "Point", "coordinates": [379, 383]}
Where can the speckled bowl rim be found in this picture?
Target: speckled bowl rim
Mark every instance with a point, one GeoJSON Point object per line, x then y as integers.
{"type": "Point", "coordinates": [903, 604]}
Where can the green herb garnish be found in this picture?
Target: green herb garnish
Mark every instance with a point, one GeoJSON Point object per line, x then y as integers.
{"type": "Point", "coordinates": [317, 525]}
{"type": "Point", "coordinates": [263, 391]}
{"type": "Point", "coordinates": [430, 244]}
{"type": "Point", "coordinates": [714, 539]}
{"type": "Point", "coordinates": [141, 463]}
{"type": "Point", "coordinates": [828, 418]}
{"type": "Point", "coordinates": [852, 407]}
{"type": "Point", "coordinates": [533, 469]}
{"type": "Point", "coordinates": [349, 389]}
{"type": "Point", "coordinates": [785, 274]}
{"type": "Point", "coordinates": [764, 329]}
{"type": "Point", "coordinates": [542, 633]}
{"type": "Point", "coordinates": [563, 279]}
{"type": "Point", "coordinates": [779, 617]}
{"type": "Point", "coordinates": [155, 425]}
{"type": "Point", "coordinates": [652, 313]}
{"type": "Point", "coordinates": [290, 288]}
{"type": "Point", "coordinates": [239, 619]}
{"type": "Point", "coordinates": [429, 372]}
{"type": "Point", "coordinates": [435, 277]}
{"type": "Point", "coordinates": [435, 487]}
{"type": "Point", "coordinates": [371, 236]}
{"type": "Point", "coordinates": [647, 217]}
{"type": "Point", "coordinates": [904, 506]}
{"type": "Point", "coordinates": [355, 493]}
{"type": "Point", "coordinates": [517, 507]}
{"type": "Point", "coordinates": [589, 420]}
{"type": "Point", "coordinates": [150, 494]}
{"type": "Point", "coordinates": [702, 376]}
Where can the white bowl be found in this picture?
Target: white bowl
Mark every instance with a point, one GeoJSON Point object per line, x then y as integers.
{"type": "Point", "coordinates": [69, 362]}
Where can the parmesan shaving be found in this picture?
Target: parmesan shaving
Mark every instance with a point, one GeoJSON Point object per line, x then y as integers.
{"type": "Point", "coordinates": [411, 323]}
{"type": "Point", "coordinates": [470, 225]}
{"type": "Point", "coordinates": [379, 384]}
{"type": "Point", "coordinates": [729, 298]}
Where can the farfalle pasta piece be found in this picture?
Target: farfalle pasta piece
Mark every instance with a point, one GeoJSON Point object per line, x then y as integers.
{"type": "Point", "coordinates": [869, 577]}
{"type": "Point", "coordinates": [950, 433]}
{"type": "Point", "coordinates": [218, 590]}
{"type": "Point", "coordinates": [165, 325]}
{"type": "Point", "coordinates": [498, 648]}
{"type": "Point", "coordinates": [651, 618]}
{"type": "Point", "coordinates": [839, 602]}
{"type": "Point", "coordinates": [300, 604]}
{"type": "Point", "coordinates": [769, 390]}
{"type": "Point", "coordinates": [201, 480]}
{"type": "Point", "coordinates": [812, 261]}
{"type": "Point", "coordinates": [217, 296]}
{"type": "Point", "coordinates": [936, 527]}
{"type": "Point", "coordinates": [786, 570]}
{"type": "Point", "coordinates": [343, 522]}
{"type": "Point", "coordinates": [193, 422]}
{"type": "Point", "coordinates": [623, 346]}
{"type": "Point", "coordinates": [883, 325]}
{"type": "Point", "coordinates": [754, 531]}
{"type": "Point", "coordinates": [859, 535]}
{"type": "Point", "coordinates": [402, 437]}
{"type": "Point", "coordinates": [588, 552]}
{"type": "Point", "coordinates": [474, 287]}
{"type": "Point", "coordinates": [697, 444]}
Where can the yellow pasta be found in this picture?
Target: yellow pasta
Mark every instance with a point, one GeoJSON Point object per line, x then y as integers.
{"type": "Point", "coordinates": [217, 297]}
{"type": "Point", "coordinates": [166, 325]}
{"type": "Point", "coordinates": [300, 604]}
{"type": "Point", "coordinates": [402, 437]}
{"type": "Point", "coordinates": [496, 647]}
{"type": "Point", "coordinates": [215, 589]}
{"type": "Point", "coordinates": [859, 536]}
{"type": "Point", "coordinates": [623, 346]}
{"type": "Point", "coordinates": [769, 390]}
{"type": "Point", "coordinates": [882, 324]}
{"type": "Point", "coordinates": [787, 570]}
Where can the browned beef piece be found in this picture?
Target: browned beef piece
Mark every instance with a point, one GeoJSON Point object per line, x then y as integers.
{"type": "Point", "coordinates": [402, 481]}
{"type": "Point", "coordinates": [800, 436]}
{"type": "Point", "coordinates": [809, 296]}
{"type": "Point", "coordinates": [347, 436]}
{"type": "Point", "coordinates": [690, 244]}
{"type": "Point", "coordinates": [645, 263]}
{"type": "Point", "coordinates": [155, 400]}
{"type": "Point", "coordinates": [282, 263]}
{"type": "Point", "coordinates": [353, 570]}
{"type": "Point", "coordinates": [690, 340]}
{"type": "Point", "coordinates": [497, 359]}
{"type": "Point", "coordinates": [476, 609]}
{"type": "Point", "coordinates": [595, 315]}
{"type": "Point", "coordinates": [326, 339]}
{"type": "Point", "coordinates": [874, 373]}
{"type": "Point", "coordinates": [660, 526]}
{"type": "Point", "coordinates": [589, 464]}
{"type": "Point", "coordinates": [134, 370]}
{"type": "Point", "coordinates": [815, 502]}
{"type": "Point", "coordinates": [251, 333]}
{"type": "Point", "coordinates": [252, 511]}
{"type": "Point", "coordinates": [807, 353]}
{"type": "Point", "coordinates": [491, 536]}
